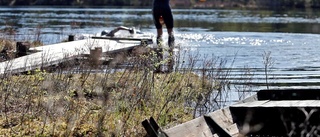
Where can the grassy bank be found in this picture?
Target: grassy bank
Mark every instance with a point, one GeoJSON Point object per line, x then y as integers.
{"type": "Point", "coordinates": [112, 102]}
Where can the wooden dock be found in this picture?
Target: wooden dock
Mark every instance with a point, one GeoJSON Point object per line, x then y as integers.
{"type": "Point", "coordinates": [54, 54]}
{"type": "Point", "coordinates": [283, 112]}
{"type": "Point", "coordinates": [279, 112]}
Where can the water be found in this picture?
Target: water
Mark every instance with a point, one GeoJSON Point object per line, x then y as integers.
{"type": "Point", "coordinates": [241, 37]}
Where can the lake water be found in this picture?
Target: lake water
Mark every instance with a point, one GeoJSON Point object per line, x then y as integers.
{"type": "Point", "coordinates": [241, 37]}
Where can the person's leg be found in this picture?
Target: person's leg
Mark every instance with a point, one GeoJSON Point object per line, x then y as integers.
{"type": "Point", "coordinates": [168, 20]}
{"type": "Point", "coordinates": [159, 32]}
{"type": "Point", "coordinates": [171, 38]}
{"type": "Point", "coordinates": [156, 15]}
{"type": "Point", "coordinates": [159, 37]}
{"type": "Point", "coordinates": [170, 31]}
{"type": "Point", "coordinates": [169, 24]}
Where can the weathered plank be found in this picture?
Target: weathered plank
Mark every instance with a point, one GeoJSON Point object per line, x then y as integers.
{"type": "Point", "coordinates": [294, 112]}
{"type": "Point", "coordinates": [57, 53]}
{"type": "Point", "coordinates": [285, 103]}
{"type": "Point", "coordinates": [200, 128]}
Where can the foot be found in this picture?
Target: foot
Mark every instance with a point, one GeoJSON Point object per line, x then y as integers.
{"type": "Point", "coordinates": [159, 41]}
{"type": "Point", "coordinates": [171, 41]}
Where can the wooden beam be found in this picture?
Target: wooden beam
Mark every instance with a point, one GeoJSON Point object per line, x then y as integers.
{"type": "Point", "coordinates": [143, 40]}
{"type": "Point", "coordinates": [216, 127]}
{"type": "Point", "coordinates": [289, 94]}
{"type": "Point", "coordinates": [153, 129]}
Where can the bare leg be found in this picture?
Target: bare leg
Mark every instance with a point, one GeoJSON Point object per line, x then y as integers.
{"type": "Point", "coordinates": [171, 37]}
{"type": "Point", "coordinates": [170, 31]}
{"type": "Point", "coordinates": [159, 32]}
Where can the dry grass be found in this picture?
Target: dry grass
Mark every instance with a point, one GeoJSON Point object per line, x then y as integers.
{"type": "Point", "coordinates": [105, 101]}
{"type": "Point", "coordinates": [110, 103]}
{"type": "Point", "coordinates": [46, 104]}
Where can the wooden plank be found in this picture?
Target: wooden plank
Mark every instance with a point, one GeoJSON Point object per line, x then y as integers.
{"type": "Point", "coordinates": [223, 117]}
{"type": "Point", "coordinates": [124, 38]}
{"type": "Point", "coordinates": [194, 128]}
{"type": "Point", "coordinates": [153, 129]}
{"type": "Point", "coordinates": [286, 103]}
{"type": "Point", "coordinates": [198, 127]}
{"type": "Point", "coordinates": [249, 99]}
{"type": "Point", "coordinates": [289, 94]}
{"type": "Point", "coordinates": [217, 129]}
{"type": "Point", "coordinates": [83, 46]}
{"type": "Point", "coordinates": [150, 130]}
{"type": "Point", "coordinates": [57, 53]}
{"type": "Point", "coordinates": [250, 104]}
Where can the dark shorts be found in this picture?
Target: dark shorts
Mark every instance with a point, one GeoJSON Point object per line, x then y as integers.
{"type": "Point", "coordinates": [167, 17]}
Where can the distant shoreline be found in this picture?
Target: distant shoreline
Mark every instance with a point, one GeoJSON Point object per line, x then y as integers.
{"type": "Point", "coordinates": [181, 4]}
{"type": "Point", "coordinates": [149, 7]}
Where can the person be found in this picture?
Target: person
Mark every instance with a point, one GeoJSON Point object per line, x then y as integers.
{"type": "Point", "coordinates": [112, 33]}
{"type": "Point", "coordinates": [162, 10]}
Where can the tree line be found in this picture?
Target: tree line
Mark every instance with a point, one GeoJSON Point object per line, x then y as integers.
{"type": "Point", "coordinates": [181, 3]}
{"type": "Point", "coordinates": [76, 2]}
